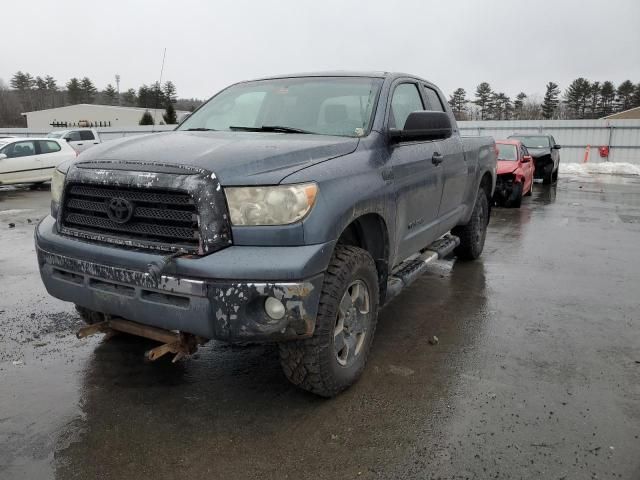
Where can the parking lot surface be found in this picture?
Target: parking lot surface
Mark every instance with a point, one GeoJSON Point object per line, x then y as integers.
{"type": "Point", "coordinates": [536, 374]}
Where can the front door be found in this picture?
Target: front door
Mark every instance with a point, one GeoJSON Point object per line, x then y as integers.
{"type": "Point", "coordinates": [417, 179]}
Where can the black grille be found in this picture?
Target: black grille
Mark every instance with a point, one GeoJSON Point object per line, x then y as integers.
{"type": "Point", "coordinates": [161, 219]}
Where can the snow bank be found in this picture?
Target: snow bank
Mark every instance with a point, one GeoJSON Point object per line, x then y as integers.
{"type": "Point", "coordinates": [608, 168]}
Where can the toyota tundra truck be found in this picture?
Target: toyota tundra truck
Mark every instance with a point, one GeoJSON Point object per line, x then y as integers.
{"type": "Point", "coordinates": [285, 210]}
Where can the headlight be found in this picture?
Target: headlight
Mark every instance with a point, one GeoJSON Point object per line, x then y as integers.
{"type": "Point", "coordinates": [278, 205]}
{"type": "Point", "coordinates": [57, 184]}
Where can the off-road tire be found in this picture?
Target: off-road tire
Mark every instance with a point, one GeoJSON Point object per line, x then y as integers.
{"type": "Point", "coordinates": [473, 234]}
{"type": "Point", "coordinates": [311, 364]}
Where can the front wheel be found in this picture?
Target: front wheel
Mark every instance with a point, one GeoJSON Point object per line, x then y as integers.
{"type": "Point", "coordinates": [334, 358]}
{"type": "Point", "coordinates": [515, 199]}
{"type": "Point", "coordinates": [473, 234]}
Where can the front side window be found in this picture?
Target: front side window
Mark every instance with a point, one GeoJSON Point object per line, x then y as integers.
{"type": "Point", "coordinates": [507, 152]}
{"type": "Point", "coordinates": [341, 106]}
{"type": "Point", "coordinates": [48, 146]}
{"type": "Point", "coordinates": [433, 100]}
{"type": "Point", "coordinates": [406, 99]}
{"type": "Point", "coordinates": [20, 149]}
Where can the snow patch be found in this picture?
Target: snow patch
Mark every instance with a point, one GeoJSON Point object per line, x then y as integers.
{"type": "Point", "coordinates": [607, 168]}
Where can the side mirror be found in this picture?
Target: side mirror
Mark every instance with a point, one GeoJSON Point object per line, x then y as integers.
{"type": "Point", "coordinates": [2, 156]}
{"type": "Point", "coordinates": [423, 125]}
{"type": "Point", "coordinates": [526, 159]}
{"type": "Point", "coordinates": [68, 139]}
{"type": "Point", "coordinates": [557, 147]}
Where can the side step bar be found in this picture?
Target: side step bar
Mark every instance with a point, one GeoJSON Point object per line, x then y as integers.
{"type": "Point", "coordinates": [413, 268]}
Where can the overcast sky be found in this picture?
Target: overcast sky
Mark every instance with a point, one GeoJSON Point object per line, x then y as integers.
{"type": "Point", "coordinates": [513, 44]}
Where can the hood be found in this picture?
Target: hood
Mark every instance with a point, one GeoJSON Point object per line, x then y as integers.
{"type": "Point", "coordinates": [506, 166]}
{"type": "Point", "coordinates": [237, 158]}
{"type": "Point", "coordinates": [539, 152]}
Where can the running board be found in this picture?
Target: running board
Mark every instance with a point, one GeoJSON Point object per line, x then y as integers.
{"type": "Point", "coordinates": [410, 270]}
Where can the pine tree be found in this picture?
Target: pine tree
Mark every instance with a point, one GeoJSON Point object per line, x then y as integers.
{"type": "Point", "coordinates": [635, 101]}
{"type": "Point", "coordinates": [157, 95]}
{"type": "Point", "coordinates": [577, 97]}
{"type": "Point", "coordinates": [144, 97]}
{"type": "Point", "coordinates": [550, 102]}
{"type": "Point", "coordinates": [111, 94]}
{"type": "Point", "coordinates": [74, 91]}
{"type": "Point", "coordinates": [518, 105]}
{"type": "Point", "coordinates": [146, 119]}
{"type": "Point", "coordinates": [625, 95]}
{"type": "Point", "coordinates": [169, 91]}
{"type": "Point", "coordinates": [129, 97]}
{"type": "Point", "coordinates": [607, 98]}
{"type": "Point", "coordinates": [484, 95]}
{"type": "Point", "coordinates": [89, 90]}
{"type": "Point", "coordinates": [169, 115]}
{"type": "Point", "coordinates": [458, 102]}
{"type": "Point", "coordinates": [500, 106]}
{"type": "Point", "coordinates": [594, 99]}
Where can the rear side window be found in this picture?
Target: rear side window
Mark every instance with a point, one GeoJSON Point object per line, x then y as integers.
{"type": "Point", "coordinates": [73, 136]}
{"type": "Point", "coordinates": [86, 135]}
{"type": "Point", "coordinates": [406, 99]}
{"type": "Point", "coordinates": [48, 146]}
{"type": "Point", "coordinates": [433, 100]}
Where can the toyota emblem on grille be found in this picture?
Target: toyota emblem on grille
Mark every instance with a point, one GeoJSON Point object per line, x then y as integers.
{"type": "Point", "coordinates": [119, 210]}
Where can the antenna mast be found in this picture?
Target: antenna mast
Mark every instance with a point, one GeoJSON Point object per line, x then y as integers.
{"type": "Point", "coordinates": [155, 112]}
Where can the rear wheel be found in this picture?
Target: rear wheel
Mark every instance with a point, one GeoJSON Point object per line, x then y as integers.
{"type": "Point", "coordinates": [473, 234]}
{"type": "Point", "coordinates": [334, 358]}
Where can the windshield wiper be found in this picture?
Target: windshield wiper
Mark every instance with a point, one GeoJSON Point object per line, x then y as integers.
{"type": "Point", "coordinates": [270, 128]}
{"type": "Point", "coordinates": [200, 129]}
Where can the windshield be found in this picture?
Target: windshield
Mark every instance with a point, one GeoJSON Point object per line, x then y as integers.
{"type": "Point", "coordinates": [321, 105]}
{"type": "Point", "coordinates": [57, 134]}
{"type": "Point", "coordinates": [534, 142]}
{"type": "Point", "coordinates": [507, 152]}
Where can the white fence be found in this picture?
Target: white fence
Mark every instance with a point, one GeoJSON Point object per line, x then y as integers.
{"type": "Point", "coordinates": [621, 136]}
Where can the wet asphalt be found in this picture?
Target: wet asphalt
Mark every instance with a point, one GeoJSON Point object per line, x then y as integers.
{"type": "Point", "coordinates": [536, 374]}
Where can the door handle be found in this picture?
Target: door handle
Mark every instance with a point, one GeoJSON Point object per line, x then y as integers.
{"type": "Point", "coordinates": [437, 158]}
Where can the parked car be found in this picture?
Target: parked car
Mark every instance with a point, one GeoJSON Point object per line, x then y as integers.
{"type": "Point", "coordinates": [31, 160]}
{"type": "Point", "coordinates": [515, 173]}
{"type": "Point", "coordinates": [79, 138]}
{"type": "Point", "coordinates": [546, 155]}
{"type": "Point", "coordinates": [284, 210]}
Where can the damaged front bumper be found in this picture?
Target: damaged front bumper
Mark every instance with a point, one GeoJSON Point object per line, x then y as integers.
{"type": "Point", "coordinates": [214, 296]}
{"type": "Point", "coordinates": [508, 189]}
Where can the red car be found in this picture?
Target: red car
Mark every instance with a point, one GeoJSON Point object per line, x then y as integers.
{"type": "Point", "coordinates": [515, 173]}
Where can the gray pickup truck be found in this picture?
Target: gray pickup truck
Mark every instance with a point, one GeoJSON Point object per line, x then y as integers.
{"type": "Point", "coordinates": [285, 209]}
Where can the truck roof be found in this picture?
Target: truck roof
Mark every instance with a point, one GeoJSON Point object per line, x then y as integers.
{"type": "Point", "coordinates": [342, 73]}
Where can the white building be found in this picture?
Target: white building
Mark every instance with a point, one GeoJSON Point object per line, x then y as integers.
{"type": "Point", "coordinates": [90, 115]}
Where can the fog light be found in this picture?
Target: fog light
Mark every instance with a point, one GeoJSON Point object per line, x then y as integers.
{"type": "Point", "coordinates": [274, 308]}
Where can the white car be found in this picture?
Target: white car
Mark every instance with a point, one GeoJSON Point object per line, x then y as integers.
{"type": "Point", "coordinates": [31, 160]}
{"type": "Point", "coordinates": [79, 138]}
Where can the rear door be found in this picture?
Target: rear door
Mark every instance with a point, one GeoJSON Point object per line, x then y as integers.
{"type": "Point", "coordinates": [454, 166]}
{"type": "Point", "coordinates": [417, 179]}
{"type": "Point", "coordinates": [88, 139]}
{"type": "Point", "coordinates": [22, 164]}
{"type": "Point", "coordinates": [51, 155]}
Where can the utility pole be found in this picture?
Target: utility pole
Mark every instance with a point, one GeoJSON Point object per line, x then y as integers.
{"type": "Point", "coordinates": [118, 87]}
